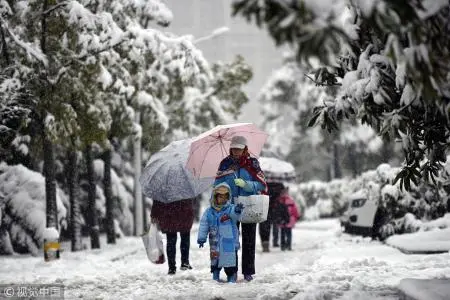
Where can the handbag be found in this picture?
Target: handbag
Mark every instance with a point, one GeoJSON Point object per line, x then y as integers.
{"type": "Point", "coordinates": [153, 244]}
{"type": "Point", "coordinates": [255, 209]}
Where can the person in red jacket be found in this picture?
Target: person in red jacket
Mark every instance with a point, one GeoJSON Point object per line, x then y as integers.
{"type": "Point", "coordinates": [172, 218]}
{"type": "Point", "coordinates": [294, 216]}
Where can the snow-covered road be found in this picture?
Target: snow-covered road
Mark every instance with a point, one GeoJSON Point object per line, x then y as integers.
{"type": "Point", "coordinates": [324, 264]}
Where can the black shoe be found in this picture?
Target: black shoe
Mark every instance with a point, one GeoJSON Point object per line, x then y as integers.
{"type": "Point", "coordinates": [172, 271]}
{"type": "Point", "coordinates": [185, 266]}
{"type": "Point", "coordinates": [289, 248]}
{"type": "Point", "coordinates": [248, 278]}
{"type": "Point", "coordinates": [276, 245]}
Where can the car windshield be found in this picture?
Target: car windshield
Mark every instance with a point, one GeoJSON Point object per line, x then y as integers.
{"type": "Point", "coordinates": [358, 202]}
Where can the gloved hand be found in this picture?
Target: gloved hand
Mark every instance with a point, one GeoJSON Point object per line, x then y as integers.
{"type": "Point", "coordinates": [238, 208]}
{"type": "Point", "coordinates": [240, 182]}
{"type": "Point", "coordinates": [200, 243]}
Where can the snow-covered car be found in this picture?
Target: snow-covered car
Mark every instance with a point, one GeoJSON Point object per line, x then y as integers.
{"type": "Point", "coordinates": [360, 215]}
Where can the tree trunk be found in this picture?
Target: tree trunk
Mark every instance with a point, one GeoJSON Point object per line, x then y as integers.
{"type": "Point", "coordinates": [49, 159]}
{"type": "Point", "coordinates": [110, 232]}
{"type": "Point", "coordinates": [92, 211]}
{"type": "Point", "coordinates": [386, 151]}
{"type": "Point", "coordinates": [138, 207]}
{"type": "Point", "coordinates": [6, 247]}
{"type": "Point", "coordinates": [5, 52]}
{"type": "Point", "coordinates": [336, 162]}
{"type": "Point", "coordinates": [353, 161]}
{"type": "Point", "coordinates": [75, 211]}
{"type": "Point", "coordinates": [329, 172]}
{"type": "Point", "coordinates": [50, 181]}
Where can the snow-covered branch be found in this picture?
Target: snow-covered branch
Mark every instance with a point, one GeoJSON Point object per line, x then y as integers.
{"type": "Point", "coordinates": [29, 49]}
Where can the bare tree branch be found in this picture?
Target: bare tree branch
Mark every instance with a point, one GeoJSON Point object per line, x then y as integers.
{"type": "Point", "coordinates": [48, 11]}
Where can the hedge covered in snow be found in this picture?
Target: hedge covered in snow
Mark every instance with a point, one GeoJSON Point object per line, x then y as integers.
{"type": "Point", "coordinates": [403, 211]}
{"type": "Point", "coordinates": [22, 209]}
{"type": "Point", "coordinates": [22, 206]}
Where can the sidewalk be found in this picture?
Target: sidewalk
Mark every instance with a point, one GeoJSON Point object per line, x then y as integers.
{"type": "Point", "coordinates": [424, 289]}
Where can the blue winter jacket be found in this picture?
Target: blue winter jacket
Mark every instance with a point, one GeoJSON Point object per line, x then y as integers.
{"type": "Point", "coordinates": [226, 174]}
{"type": "Point", "coordinates": [221, 229]}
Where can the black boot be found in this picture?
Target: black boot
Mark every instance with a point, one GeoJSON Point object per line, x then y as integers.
{"type": "Point", "coordinates": [265, 246]}
{"type": "Point", "coordinates": [185, 266]}
{"type": "Point", "coordinates": [172, 271]}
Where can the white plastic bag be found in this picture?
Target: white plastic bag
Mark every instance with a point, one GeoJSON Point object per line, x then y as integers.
{"type": "Point", "coordinates": [255, 209]}
{"type": "Point", "coordinates": [153, 244]}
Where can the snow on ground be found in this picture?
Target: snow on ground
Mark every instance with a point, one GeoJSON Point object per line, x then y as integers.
{"type": "Point", "coordinates": [437, 240]}
{"type": "Point", "coordinates": [324, 264]}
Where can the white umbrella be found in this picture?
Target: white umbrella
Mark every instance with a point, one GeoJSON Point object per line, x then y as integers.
{"type": "Point", "coordinates": [277, 170]}
{"type": "Point", "coordinates": [166, 178]}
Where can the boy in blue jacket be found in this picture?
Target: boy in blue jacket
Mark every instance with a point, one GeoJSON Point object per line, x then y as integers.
{"type": "Point", "coordinates": [219, 224]}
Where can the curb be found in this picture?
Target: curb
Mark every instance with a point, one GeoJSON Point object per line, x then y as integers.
{"type": "Point", "coordinates": [424, 289]}
{"type": "Point", "coordinates": [404, 251]}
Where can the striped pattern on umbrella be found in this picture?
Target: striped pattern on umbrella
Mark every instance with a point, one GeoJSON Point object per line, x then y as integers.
{"type": "Point", "coordinates": [277, 170]}
{"type": "Point", "coordinates": [280, 177]}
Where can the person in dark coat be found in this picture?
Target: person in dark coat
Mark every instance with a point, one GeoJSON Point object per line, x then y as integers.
{"type": "Point", "coordinates": [275, 189]}
{"type": "Point", "coordinates": [172, 218]}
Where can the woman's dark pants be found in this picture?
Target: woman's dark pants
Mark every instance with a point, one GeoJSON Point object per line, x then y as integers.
{"type": "Point", "coordinates": [171, 248]}
{"type": "Point", "coordinates": [275, 235]}
{"type": "Point", "coordinates": [248, 232]}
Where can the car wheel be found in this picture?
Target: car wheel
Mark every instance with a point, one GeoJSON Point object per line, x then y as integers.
{"type": "Point", "coordinates": [346, 228]}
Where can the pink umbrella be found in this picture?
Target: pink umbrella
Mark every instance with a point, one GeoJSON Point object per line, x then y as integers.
{"type": "Point", "coordinates": [208, 149]}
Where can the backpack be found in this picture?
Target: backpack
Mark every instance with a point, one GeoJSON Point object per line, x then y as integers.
{"type": "Point", "coordinates": [281, 213]}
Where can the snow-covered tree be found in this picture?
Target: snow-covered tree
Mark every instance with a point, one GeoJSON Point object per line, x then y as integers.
{"type": "Point", "coordinates": [15, 111]}
{"type": "Point", "coordinates": [150, 75]}
{"type": "Point", "coordinates": [287, 100]}
{"type": "Point", "coordinates": [86, 76]}
{"type": "Point", "coordinates": [281, 104]}
{"type": "Point", "coordinates": [51, 59]}
{"type": "Point", "coordinates": [212, 100]}
{"type": "Point", "coordinates": [390, 60]}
